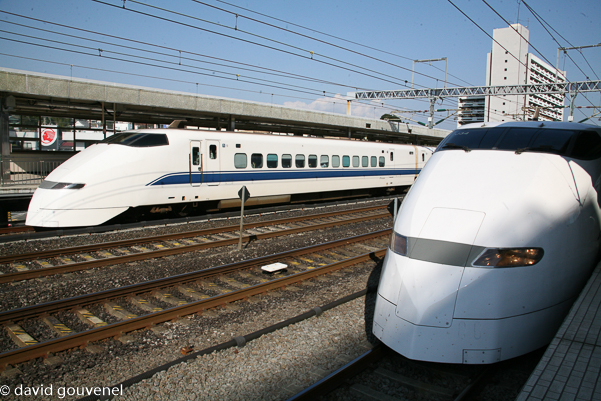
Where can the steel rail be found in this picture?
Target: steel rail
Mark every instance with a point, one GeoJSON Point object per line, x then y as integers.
{"type": "Point", "coordinates": [168, 237]}
{"type": "Point", "coordinates": [148, 286]}
{"type": "Point", "coordinates": [113, 260]}
{"type": "Point", "coordinates": [112, 330]}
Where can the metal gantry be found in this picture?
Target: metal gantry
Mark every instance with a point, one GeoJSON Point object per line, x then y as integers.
{"type": "Point", "coordinates": [570, 88]}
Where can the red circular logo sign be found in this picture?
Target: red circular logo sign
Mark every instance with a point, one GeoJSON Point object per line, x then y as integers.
{"type": "Point", "coordinates": [48, 136]}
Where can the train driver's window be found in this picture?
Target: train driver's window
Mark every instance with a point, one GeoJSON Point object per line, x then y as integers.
{"type": "Point", "coordinates": [272, 160]}
{"type": "Point", "coordinates": [374, 161]}
{"type": "Point", "coordinates": [300, 161]}
{"type": "Point", "coordinates": [364, 161]}
{"type": "Point", "coordinates": [346, 161]}
{"type": "Point", "coordinates": [240, 160]}
{"type": "Point", "coordinates": [312, 161]}
{"type": "Point", "coordinates": [286, 161]}
{"type": "Point", "coordinates": [256, 160]}
{"type": "Point", "coordinates": [213, 152]}
{"type": "Point", "coordinates": [382, 161]}
{"type": "Point", "coordinates": [335, 161]}
{"type": "Point", "coordinates": [324, 161]}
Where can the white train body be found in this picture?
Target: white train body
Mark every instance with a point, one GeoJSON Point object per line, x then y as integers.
{"type": "Point", "coordinates": [493, 243]}
{"type": "Point", "coordinates": [171, 169]}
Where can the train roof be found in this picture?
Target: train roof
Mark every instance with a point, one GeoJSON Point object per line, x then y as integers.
{"type": "Point", "coordinates": [532, 124]}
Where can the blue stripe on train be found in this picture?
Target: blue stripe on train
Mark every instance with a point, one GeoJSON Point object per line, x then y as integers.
{"type": "Point", "coordinates": [244, 176]}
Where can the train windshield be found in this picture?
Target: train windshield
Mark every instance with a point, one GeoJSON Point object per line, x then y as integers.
{"type": "Point", "coordinates": [579, 144]}
{"type": "Point", "coordinates": [138, 139]}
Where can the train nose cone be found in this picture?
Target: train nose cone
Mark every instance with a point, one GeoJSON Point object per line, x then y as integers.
{"type": "Point", "coordinates": [434, 266]}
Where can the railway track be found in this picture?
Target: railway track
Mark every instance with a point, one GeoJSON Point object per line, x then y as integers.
{"type": "Point", "coordinates": [382, 375]}
{"type": "Point", "coordinates": [44, 263]}
{"type": "Point", "coordinates": [114, 312]}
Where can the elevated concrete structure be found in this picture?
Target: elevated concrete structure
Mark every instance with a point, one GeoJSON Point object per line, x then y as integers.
{"type": "Point", "coordinates": [51, 95]}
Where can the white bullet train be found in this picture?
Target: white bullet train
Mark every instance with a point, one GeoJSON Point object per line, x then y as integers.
{"type": "Point", "coordinates": [493, 243]}
{"type": "Point", "coordinates": [139, 173]}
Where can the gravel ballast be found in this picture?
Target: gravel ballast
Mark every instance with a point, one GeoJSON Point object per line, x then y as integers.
{"type": "Point", "coordinates": [112, 361]}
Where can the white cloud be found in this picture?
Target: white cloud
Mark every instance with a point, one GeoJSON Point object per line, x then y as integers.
{"type": "Point", "coordinates": [337, 104]}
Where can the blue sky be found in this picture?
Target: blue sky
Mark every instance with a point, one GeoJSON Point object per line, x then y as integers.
{"type": "Point", "coordinates": [261, 50]}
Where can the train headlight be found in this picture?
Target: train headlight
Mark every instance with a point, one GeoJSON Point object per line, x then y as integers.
{"type": "Point", "coordinates": [398, 244]}
{"type": "Point", "coordinates": [60, 185]}
{"type": "Point", "coordinates": [516, 257]}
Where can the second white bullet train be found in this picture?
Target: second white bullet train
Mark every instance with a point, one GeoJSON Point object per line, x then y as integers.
{"type": "Point", "coordinates": [493, 243]}
{"type": "Point", "coordinates": [145, 172]}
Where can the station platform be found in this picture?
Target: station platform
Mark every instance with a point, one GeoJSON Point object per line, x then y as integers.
{"type": "Point", "coordinates": [570, 369]}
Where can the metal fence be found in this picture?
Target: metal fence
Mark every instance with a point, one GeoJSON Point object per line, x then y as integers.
{"type": "Point", "coordinates": [25, 172]}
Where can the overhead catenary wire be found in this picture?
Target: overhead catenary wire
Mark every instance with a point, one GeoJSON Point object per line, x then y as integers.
{"type": "Point", "coordinates": [306, 56]}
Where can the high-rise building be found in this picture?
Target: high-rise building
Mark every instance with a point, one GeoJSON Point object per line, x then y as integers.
{"type": "Point", "coordinates": [509, 63]}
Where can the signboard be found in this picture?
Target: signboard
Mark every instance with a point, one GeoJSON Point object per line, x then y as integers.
{"type": "Point", "coordinates": [243, 194]}
{"type": "Point", "coordinates": [48, 136]}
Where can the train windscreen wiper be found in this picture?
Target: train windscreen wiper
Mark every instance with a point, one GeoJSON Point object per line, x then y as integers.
{"type": "Point", "coordinates": [455, 146]}
{"type": "Point", "coordinates": [542, 148]}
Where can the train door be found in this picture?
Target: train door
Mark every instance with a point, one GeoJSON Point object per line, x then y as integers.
{"type": "Point", "coordinates": [213, 168]}
{"type": "Point", "coordinates": [195, 164]}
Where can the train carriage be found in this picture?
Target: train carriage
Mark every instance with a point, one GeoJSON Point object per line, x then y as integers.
{"type": "Point", "coordinates": [493, 242]}
{"type": "Point", "coordinates": [179, 170]}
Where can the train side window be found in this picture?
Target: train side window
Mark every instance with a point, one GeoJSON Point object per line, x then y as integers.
{"type": "Point", "coordinates": [374, 161]}
{"type": "Point", "coordinates": [286, 161]}
{"type": "Point", "coordinates": [355, 161]}
{"type": "Point", "coordinates": [312, 161]}
{"type": "Point", "coordinates": [423, 157]}
{"type": "Point", "coordinates": [213, 152]}
{"type": "Point", "coordinates": [256, 160]}
{"type": "Point", "coordinates": [346, 161]}
{"type": "Point", "coordinates": [391, 156]}
{"type": "Point", "coordinates": [335, 161]}
{"type": "Point", "coordinates": [365, 161]}
{"type": "Point", "coordinates": [240, 160]}
{"type": "Point", "coordinates": [324, 161]}
{"type": "Point", "coordinates": [300, 161]}
{"type": "Point", "coordinates": [382, 161]}
{"type": "Point", "coordinates": [272, 160]}
{"type": "Point", "coordinates": [195, 156]}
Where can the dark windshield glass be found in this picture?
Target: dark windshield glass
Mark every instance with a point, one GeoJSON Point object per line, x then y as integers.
{"type": "Point", "coordinates": [570, 143]}
{"type": "Point", "coordinates": [138, 139]}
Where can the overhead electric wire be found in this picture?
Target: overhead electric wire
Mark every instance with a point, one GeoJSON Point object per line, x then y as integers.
{"type": "Point", "coordinates": [486, 33]}
{"type": "Point", "coordinates": [511, 26]}
{"type": "Point", "coordinates": [260, 44]}
{"type": "Point", "coordinates": [167, 79]}
{"type": "Point", "coordinates": [316, 31]}
{"type": "Point", "coordinates": [539, 18]}
{"type": "Point", "coordinates": [270, 71]}
{"type": "Point", "coordinates": [318, 92]}
{"type": "Point", "coordinates": [304, 36]}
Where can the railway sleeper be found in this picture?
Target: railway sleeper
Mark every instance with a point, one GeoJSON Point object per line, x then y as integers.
{"type": "Point", "coordinates": [19, 336]}
{"type": "Point", "coordinates": [57, 326]}
{"type": "Point", "coordinates": [118, 311]}
{"type": "Point", "coordinates": [145, 304]}
{"type": "Point", "coordinates": [168, 297]}
{"type": "Point", "coordinates": [89, 319]}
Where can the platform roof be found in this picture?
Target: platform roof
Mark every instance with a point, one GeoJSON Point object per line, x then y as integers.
{"type": "Point", "coordinates": [61, 96]}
